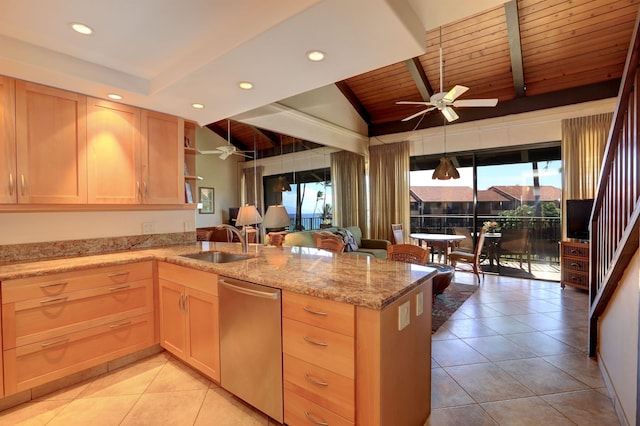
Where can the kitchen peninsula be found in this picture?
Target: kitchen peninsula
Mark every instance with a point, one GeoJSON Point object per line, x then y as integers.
{"type": "Point", "coordinates": [382, 310]}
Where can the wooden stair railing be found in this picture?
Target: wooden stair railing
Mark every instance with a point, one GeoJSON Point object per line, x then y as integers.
{"type": "Point", "coordinates": [616, 209]}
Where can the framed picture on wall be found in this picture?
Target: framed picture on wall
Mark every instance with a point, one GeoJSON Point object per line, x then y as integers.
{"type": "Point", "coordinates": [207, 200]}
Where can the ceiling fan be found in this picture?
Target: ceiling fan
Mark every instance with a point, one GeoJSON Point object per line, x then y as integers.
{"type": "Point", "coordinates": [444, 101]}
{"type": "Point", "coordinates": [225, 151]}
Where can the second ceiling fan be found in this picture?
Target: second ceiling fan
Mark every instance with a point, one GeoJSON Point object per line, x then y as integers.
{"type": "Point", "coordinates": [444, 101]}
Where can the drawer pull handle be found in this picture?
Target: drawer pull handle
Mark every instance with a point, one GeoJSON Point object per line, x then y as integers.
{"type": "Point", "coordinates": [314, 421]}
{"type": "Point", "coordinates": [574, 278]}
{"type": "Point", "coordinates": [313, 342]}
{"type": "Point", "coordinates": [10, 183]}
{"type": "Point", "coordinates": [575, 265]}
{"type": "Point", "coordinates": [55, 342]}
{"type": "Point", "coordinates": [118, 274]}
{"type": "Point", "coordinates": [311, 311]}
{"type": "Point", "coordinates": [121, 324]}
{"type": "Point", "coordinates": [314, 381]}
{"type": "Point", "coordinates": [121, 287]}
{"type": "Point", "coordinates": [53, 284]}
{"type": "Point", "coordinates": [57, 299]}
{"type": "Point", "coordinates": [573, 251]}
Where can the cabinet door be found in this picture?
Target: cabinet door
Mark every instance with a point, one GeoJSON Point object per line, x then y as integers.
{"type": "Point", "coordinates": [51, 137]}
{"type": "Point", "coordinates": [162, 158]}
{"type": "Point", "coordinates": [203, 350]}
{"type": "Point", "coordinates": [113, 141]}
{"type": "Point", "coordinates": [8, 176]}
{"type": "Point", "coordinates": [172, 318]}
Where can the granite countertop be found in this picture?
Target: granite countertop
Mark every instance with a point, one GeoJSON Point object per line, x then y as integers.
{"type": "Point", "coordinates": [358, 280]}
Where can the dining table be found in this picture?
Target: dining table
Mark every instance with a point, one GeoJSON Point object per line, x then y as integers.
{"type": "Point", "coordinates": [445, 241]}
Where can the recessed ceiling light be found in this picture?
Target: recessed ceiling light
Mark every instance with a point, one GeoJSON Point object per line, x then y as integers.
{"type": "Point", "coordinates": [246, 85]}
{"type": "Point", "coordinates": [114, 96]}
{"type": "Point", "coordinates": [197, 106]}
{"type": "Point", "coordinates": [82, 28]}
{"type": "Point", "coordinates": [315, 55]}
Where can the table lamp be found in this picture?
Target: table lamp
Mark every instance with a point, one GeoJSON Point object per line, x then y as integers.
{"type": "Point", "coordinates": [247, 215]}
{"type": "Point", "coordinates": [277, 218]}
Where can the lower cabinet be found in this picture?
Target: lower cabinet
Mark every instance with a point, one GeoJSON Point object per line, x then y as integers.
{"type": "Point", "coordinates": [189, 317]}
{"type": "Point", "coordinates": [59, 324]}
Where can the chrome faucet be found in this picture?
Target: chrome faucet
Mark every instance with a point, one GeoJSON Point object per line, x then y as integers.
{"type": "Point", "coordinates": [241, 237]}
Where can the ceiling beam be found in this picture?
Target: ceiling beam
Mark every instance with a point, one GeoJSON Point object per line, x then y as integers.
{"type": "Point", "coordinates": [272, 137]}
{"type": "Point", "coordinates": [515, 47]}
{"type": "Point", "coordinates": [420, 78]}
{"type": "Point", "coordinates": [222, 132]}
{"type": "Point", "coordinates": [354, 101]}
{"type": "Point", "coordinates": [593, 92]}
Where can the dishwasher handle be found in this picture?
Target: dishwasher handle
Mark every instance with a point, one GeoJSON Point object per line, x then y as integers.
{"type": "Point", "coordinates": [251, 292]}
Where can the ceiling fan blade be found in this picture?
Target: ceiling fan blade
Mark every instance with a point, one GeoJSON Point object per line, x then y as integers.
{"type": "Point", "coordinates": [212, 151]}
{"type": "Point", "coordinates": [412, 103]}
{"type": "Point", "coordinates": [454, 93]}
{"type": "Point", "coordinates": [476, 103]}
{"type": "Point", "coordinates": [224, 155]}
{"type": "Point", "coordinates": [424, 111]}
{"type": "Point", "coordinates": [449, 114]}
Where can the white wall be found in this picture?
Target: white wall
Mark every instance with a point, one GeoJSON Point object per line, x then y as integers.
{"type": "Point", "coordinates": [618, 340]}
{"type": "Point", "coordinates": [222, 175]}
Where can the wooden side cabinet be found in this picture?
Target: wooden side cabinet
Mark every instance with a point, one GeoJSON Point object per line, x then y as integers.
{"type": "Point", "coordinates": [574, 264]}
{"type": "Point", "coordinates": [8, 174]}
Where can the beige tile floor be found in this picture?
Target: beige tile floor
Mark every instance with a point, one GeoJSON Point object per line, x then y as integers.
{"type": "Point", "coordinates": [513, 354]}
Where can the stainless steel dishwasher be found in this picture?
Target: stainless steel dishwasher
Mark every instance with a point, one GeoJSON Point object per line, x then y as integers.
{"type": "Point", "coordinates": [251, 344]}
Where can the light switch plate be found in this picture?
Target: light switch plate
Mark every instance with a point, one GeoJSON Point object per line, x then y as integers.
{"type": "Point", "coordinates": [147, 228]}
{"type": "Point", "coordinates": [404, 315]}
{"type": "Point", "coordinates": [419, 304]}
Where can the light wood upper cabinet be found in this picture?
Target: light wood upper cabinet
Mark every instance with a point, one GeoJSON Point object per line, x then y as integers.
{"type": "Point", "coordinates": [162, 158]}
{"type": "Point", "coordinates": [114, 153]}
{"type": "Point", "coordinates": [51, 137]}
{"type": "Point", "coordinates": [8, 177]}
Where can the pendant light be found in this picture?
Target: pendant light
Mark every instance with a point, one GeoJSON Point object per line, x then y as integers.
{"type": "Point", "coordinates": [281, 185]}
{"type": "Point", "coordinates": [445, 169]}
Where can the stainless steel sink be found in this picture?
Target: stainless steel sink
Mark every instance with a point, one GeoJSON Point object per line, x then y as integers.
{"type": "Point", "coordinates": [218, 257]}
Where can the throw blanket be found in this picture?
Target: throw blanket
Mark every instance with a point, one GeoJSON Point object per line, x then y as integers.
{"type": "Point", "coordinates": [348, 239]}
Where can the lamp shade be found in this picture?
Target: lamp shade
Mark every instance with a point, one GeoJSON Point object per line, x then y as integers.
{"type": "Point", "coordinates": [276, 217]}
{"type": "Point", "coordinates": [281, 185]}
{"type": "Point", "coordinates": [248, 215]}
{"type": "Point", "coordinates": [445, 170]}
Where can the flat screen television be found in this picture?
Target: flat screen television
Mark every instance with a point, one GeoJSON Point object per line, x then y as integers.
{"type": "Point", "coordinates": [578, 213]}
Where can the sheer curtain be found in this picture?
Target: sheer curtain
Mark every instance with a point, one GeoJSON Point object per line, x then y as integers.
{"type": "Point", "coordinates": [349, 199]}
{"type": "Point", "coordinates": [583, 142]}
{"type": "Point", "coordinates": [389, 180]}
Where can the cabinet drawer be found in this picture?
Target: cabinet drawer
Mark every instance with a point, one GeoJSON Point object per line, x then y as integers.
{"type": "Point", "coordinates": [324, 348]}
{"type": "Point", "coordinates": [32, 320]}
{"type": "Point", "coordinates": [56, 284]}
{"type": "Point", "coordinates": [32, 365]}
{"type": "Point", "coordinates": [575, 278]}
{"type": "Point", "coordinates": [301, 411]}
{"type": "Point", "coordinates": [327, 314]}
{"type": "Point", "coordinates": [575, 265]}
{"type": "Point", "coordinates": [327, 389]}
{"type": "Point", "coordinates": [575, 250]}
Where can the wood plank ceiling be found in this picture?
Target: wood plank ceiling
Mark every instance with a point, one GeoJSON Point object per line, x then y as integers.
{"type": "Point", "coordinates": [530, 54]}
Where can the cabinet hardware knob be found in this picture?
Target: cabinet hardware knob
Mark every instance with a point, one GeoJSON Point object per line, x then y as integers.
{"type": "Point", "coordinates": [53, 284]}
{"type": "Point", "coordinates": [313, 342]}
{"type": "Point", "coordinates": [57, 299]}
{"type": "Point", "coordinates": [55, 342]}
{"type": "Point", "coordinates": [23, 185]}
{"type": "Point", "coordinates": [121, 324]}
{"type": "Point", "coordinates": [309, 417]}
{"type": "Point", "coordinates": [311, 311]}
{"type": "Point", "coordinates": [314, 381]}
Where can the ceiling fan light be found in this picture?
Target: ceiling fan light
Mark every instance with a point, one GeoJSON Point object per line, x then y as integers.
{"type": "Point", "coordinates": [282, 185]}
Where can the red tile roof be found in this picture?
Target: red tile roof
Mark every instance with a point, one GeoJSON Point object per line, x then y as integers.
{"type": "Point", "coordinates": [526, 193]}
{"type": "Point", "coordinates": [450, 194]}
{"type": "Point", "coordinates": [496, 193]}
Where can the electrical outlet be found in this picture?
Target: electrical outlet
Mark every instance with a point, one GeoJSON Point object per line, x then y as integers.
{"type": "Point", "coordinates": [188, 226]}
{"type": "Point", "coordinates": [419, 304]}
{"type": "Point", "coordinates": [404, 315]}
{"type": "Point", "coordinates": [147, 228]}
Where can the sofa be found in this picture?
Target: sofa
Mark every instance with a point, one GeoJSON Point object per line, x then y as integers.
{"type": "Point", "coordinates": [366, 247]}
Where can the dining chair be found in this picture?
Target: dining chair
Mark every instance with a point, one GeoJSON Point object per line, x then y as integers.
{"type": "Point", "coordinates": [472, 258]}
{"type": "Point", "coordinates": [332, 244]}
{"type": "Point", "coordinates": [515, 242]}
{"type": "Point", "coordinates": [398, 233]}
{"type": "Point", "coordinates": [408, 253]}
{"type": "Point", "coordinates": [467, 243]}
